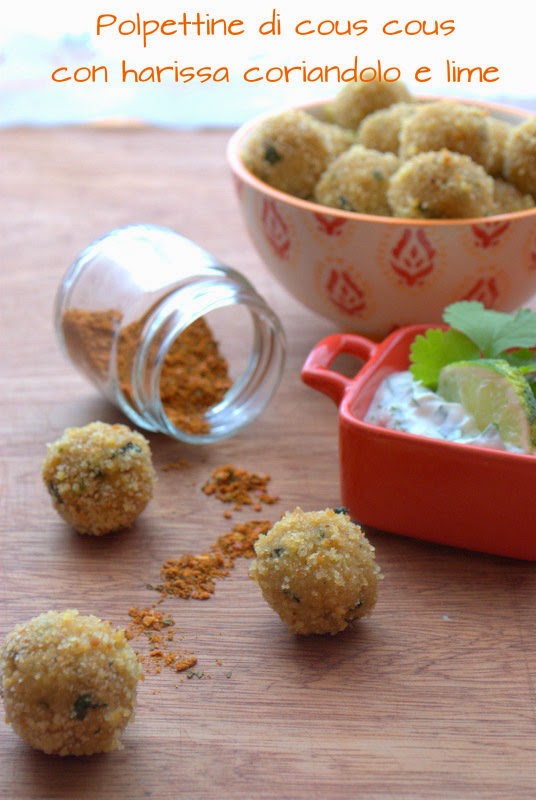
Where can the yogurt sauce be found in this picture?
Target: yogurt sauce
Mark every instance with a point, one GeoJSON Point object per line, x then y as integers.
{"type": "Point", "coordinates": [404, 404]}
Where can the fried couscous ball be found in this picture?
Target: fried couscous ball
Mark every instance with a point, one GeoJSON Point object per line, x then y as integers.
{"type": "Point", "coordinates": [509, 199]}
{"type": "Point", "coordinates": [317, 570]}
{"type": "Point", "coordinates": [520, 156]}
{"type": "Point", "coordinates": [289, 152]}
{"type": "Point", "coordinates": [451, 126]}
{"type": "Point", "coordinates": [357, 100]}
{"type": "Point", "coordinates": [381, 129]}
{"type": "Point", "coordinates": [100, 477]}
{"type": "Point", "coordinates": [441, 185]}
{"type": "Point", "coordinates": [68, 683]}
{"type": "Point", "coordinates": [357, 181]}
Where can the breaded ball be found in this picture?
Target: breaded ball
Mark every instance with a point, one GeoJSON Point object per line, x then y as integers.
{"type": "Point", "coordinates": [289, 152]}
{"type": "Point", "coordinates": [68, 683]}
{"type": "Point", "coordinates": [100, 477]}
{"type": "Point", "coordinates": [381, 129]}
{"type": "Point", "coordinates": [520, 157]}
{"type": "Point", "coordinates": [357, 181]}
{"type": "Point", "coordinates": [317, 570]}
{"type": "Point", "coordinates": [442, 185]}
{"type": "Point", "coordinates": [357, 100]}
{"type": "Point", "coordinates": [451, 126]}
{"type": "Point", "coordinates": [508, 199]}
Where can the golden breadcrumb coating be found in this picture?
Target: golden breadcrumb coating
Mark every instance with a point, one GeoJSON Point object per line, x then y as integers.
{"type": "Point", "coordinates": [507, 198]}
{"type": "Point", "coordinates": [451, 126]}
{"type": "Point", "coordinates": [355, 101]}
{"type": "Point", "coordinates": [520, 157]}
{"type": "Point", "coordinates": [442, 185]}
{"type": "Point", "coordinates": [357, 181]}
{"type": "Point", "coordinates": [499, 132]}
{"type": "Point", "coordinates": [381, 129]}
{"type": "Point", "coordinates": [100, 477]}
{"type": "Point", "coordinates": [317, 570]}
{"type": "Point", "coordinates": [69, 683]}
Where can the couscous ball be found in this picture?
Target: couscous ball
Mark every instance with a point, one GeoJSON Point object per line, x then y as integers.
{"type": "Point", "coordinates": [357, 181]}
{"type": "Point", "coordinates": [68, 683]}
{"type": "Point", "coordinates": [100, 477]}
{"type": "Point", "coordinates": [441, 185]}
{"type": "Point", "coordinates": [357, 100]}
{"type": "Point", "coordinates": [317, 570]}
{"type": "Point", "coordinates": [451, 126]}
{"type": "Point", "coordinates": [520, 157]}
{"type": "Point", "coordinates": [289, 152]}
{"type": "Point", "coordinates": [381, 129]}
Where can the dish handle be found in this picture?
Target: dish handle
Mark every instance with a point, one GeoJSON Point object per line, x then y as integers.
{"type": "Point", "coordinates": [316, 371]}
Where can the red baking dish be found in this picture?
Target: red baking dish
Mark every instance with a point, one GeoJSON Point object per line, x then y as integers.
{"type": "Point", "coordinates": [445, 492]}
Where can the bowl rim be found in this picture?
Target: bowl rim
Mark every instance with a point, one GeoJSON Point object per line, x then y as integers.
{"type": "Point", "coordinates": [240, 135]}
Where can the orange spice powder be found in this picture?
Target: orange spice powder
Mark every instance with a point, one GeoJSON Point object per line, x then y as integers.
{"type": "Point", "coordinates": [194, 374]}
{"type": "Point", "coordinates": [159, 631]}
{"type": "Point", "coordinates": [195, 576]}
{"type": "Point", "coordinates": [231, 484]}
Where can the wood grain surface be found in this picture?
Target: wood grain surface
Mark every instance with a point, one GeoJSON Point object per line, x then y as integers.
{"type": "Point", "coordinates": [433, 696]}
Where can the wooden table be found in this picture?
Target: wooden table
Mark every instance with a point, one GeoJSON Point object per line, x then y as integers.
{"type": "Point", "coordinates": [433, 696]}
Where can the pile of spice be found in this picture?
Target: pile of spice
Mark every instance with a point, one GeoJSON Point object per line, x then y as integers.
{"type": "Point", "coordinates": [159, 630]}
{"type": "Point", "coordinates": [231, 484]}
{"type": "Point", "coordinates": [195, 576]}
{"type": "Point", "coordinates": [194, 375]}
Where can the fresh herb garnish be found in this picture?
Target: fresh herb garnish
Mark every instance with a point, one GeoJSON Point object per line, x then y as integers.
{"type": "Point", "coordinates": [475, 332]}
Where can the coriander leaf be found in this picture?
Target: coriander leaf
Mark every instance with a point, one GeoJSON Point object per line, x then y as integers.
{"type": "Point", "coordinates": [492, 331]}
{"type": "Point", "coordinates": [520, 331]}
{"type": "Point", "coordinates": [522, 358]}
{"type": "Point", "coordinates": [436, 348]}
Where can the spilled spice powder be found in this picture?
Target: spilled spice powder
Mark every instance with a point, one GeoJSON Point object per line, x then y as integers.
{"type": "Point", "coordinates": [158, 628]}
{"type": "Point", "coordinates": [194, 576]}
{"type": "Point", "coordinates": [231, 484]}
{"type": "Point", "coordinates": [194, 375]}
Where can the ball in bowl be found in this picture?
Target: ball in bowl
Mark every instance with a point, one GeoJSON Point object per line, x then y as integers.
{"type": "Point", "coordinates": [371, 273]}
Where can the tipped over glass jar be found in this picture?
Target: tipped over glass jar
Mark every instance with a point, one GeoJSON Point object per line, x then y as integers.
{"type": "Point", "coordinates": [181, 343]}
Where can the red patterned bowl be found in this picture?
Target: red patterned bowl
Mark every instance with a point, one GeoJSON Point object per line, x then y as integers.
{"type": "Point", "coordinates": [445, 492]}
{"type": "Point", "coordinates": [373, 274]}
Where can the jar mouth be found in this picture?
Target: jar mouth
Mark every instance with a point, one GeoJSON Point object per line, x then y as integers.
{"type": "Point", "coordinates": [182, 383]}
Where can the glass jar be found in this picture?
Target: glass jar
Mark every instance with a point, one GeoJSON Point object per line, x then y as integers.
{"type": "Point", "coordinates": [182, 344]}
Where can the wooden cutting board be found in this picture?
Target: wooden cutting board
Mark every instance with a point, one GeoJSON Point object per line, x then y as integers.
{"type": "Point", "coordinates": [431, 697]}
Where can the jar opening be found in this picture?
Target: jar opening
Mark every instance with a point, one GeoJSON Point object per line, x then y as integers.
{"type": "Point", "coordinates": [205, 368]}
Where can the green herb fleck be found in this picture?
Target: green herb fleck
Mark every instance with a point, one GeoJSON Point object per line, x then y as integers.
{"type": "Point", "coordinates": [344, 203]}
{"type": "Point", "coordinates": [129, 446]}
{"type": "Point", "coordinates": [82, 705]}
{"type": "Point", "coordinates": [271, 155]}
{"type": "Point", "coordinates": [194, 673]}
{"type": "Point", "coordinates": [377, 174]}
{"type": "Point", "coordinates": [55, 492]}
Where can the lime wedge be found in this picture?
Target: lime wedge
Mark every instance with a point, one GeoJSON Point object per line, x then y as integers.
{"type": "Point", "coordinates": [494, 393]}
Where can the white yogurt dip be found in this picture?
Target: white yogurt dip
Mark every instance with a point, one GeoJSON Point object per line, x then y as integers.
{"type": "Point", "coordinates": [404, 404]}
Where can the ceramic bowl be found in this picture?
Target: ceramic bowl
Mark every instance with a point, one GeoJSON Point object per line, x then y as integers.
{"type": "Point", "coordinates": [371, 274]}
{"type": "Point", "coordinates": [445, 492]}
